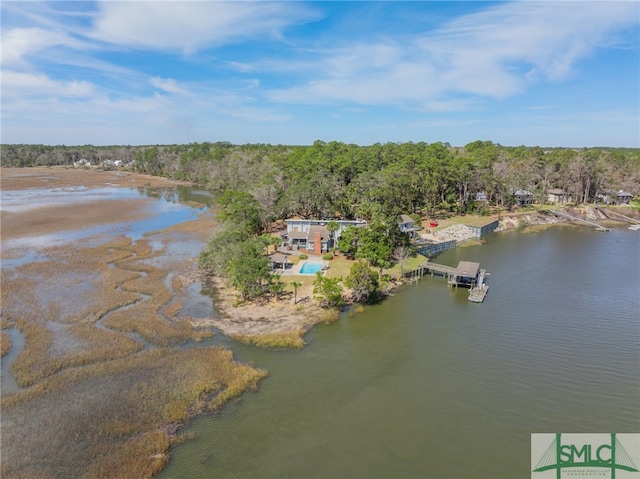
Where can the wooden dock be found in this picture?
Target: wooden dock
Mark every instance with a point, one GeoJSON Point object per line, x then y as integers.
{"type": "Point", "coordinates": [477, 295]}
{"type": "Point", "coordinates": [479, 292]}
{"type": "Point", "coordinates": [434, 268]}
{"type": "Point", "coordinates": [467, 274]}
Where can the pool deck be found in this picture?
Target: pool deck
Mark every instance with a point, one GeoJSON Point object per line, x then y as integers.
{"type": "Point", "coordinates": [295, 269]}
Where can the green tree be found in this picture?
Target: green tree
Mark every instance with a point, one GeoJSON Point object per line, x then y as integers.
{"type": "Point", "coordinates": [242, 209]}
{"type": "Point", "coordinates": [222, 247]}
{"type": "Point", "coordinates": [348, 242]}
{"type": "Point", "coordinates": [328, 291]}
{"type": "Point", "coordinates": [375, 245]}
{"type": "Point", "coordinates": [249, 269]}
{"type": "Point", "coordinates": [276, 285]}
{"type": "Point", "coordinates": [333, 226]}
{"type": "Point", "coordinates": [363, 283]}
{"type": "Point", "coordinates": [295, 285]}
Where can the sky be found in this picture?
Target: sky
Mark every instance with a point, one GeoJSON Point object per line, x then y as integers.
{"type": "Point", "coordinates": [535, 73]}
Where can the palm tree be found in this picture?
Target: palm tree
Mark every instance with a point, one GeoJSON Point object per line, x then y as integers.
{"type": "Point", "coordinates": [333, 226]}
{"type": "Point", "coordinates": [296, 285]}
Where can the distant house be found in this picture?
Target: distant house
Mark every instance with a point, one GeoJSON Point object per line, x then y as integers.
{"type": "Point", "coordinates": [557, 195]}
{"type": "Point", "coordinates": [481, 197]}
{"type": "Point", "coordinates": [407, 225]}
{"type": "Point", "coordinates": [81, 162]}
{"type": "Point", "coordinates": [523, 197]}
{"type": "Point", "coordinates": [623, 198]}
{"type": "Point", "coordinates": [313, 236]}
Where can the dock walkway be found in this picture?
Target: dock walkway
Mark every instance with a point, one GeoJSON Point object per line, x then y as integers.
{"type": "Point", "coordinates": [437, 268]}
{"type": "Point", "coordinates": [575, 218]}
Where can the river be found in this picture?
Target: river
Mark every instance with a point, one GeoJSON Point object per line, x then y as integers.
{"type": "Point", "coordinates": [429, 385]}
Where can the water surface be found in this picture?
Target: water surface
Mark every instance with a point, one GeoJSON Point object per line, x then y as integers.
{"type": "Point", "coordinates": [429, 385]}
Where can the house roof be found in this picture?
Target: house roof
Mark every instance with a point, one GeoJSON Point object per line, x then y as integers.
{"type": "Point", "coordinates": [467, 269]}
{"type": "Point", "coordinates": [623, 194]}
{"type": "Point", "coordinates": [406, 219]}
{"type": "Point", "coordinates": [279, 258]}
{"type": "Point", "coordinates": [556, 191]}
{"type": "Point", "coordinates": [297, 235]}
{"type": "Point", "coordinates": [324, 232]}
{"type": "Point", "coordinates": [522, 193]}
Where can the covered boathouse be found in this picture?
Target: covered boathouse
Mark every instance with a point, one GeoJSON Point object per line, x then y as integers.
{"type": "Point", "coordinates": [466, 274]}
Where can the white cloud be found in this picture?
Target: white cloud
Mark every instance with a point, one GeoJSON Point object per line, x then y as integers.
{"type": "Point", "coordinates": [496, 53]}
{"type": "Point", "coordinates": [189, 26]}
{"type": "Point", "coordinates": [169, 85]}
{"type": "Point", "coordinates": [39, 85]}
{"type": "Point", "coordinates": [20, 42]}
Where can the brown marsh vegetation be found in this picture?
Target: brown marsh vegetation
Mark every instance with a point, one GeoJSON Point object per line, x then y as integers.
{"type": "Point", "coordinates": [116, 418]}
{"type": "Point", "coordinates": [104, 387]}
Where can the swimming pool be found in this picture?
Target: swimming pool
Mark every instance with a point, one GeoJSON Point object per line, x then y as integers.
{"type": "Point", "coordinates": [310, 268]}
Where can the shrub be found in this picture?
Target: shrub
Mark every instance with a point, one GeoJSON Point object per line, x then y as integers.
{"type": "Point", "coordinates": [304, 256]}
{"type": "Point", "coordinates": [327, 256]}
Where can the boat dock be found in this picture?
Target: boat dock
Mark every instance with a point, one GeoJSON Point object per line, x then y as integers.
{"type": "Point", "coordinates": [466, 274]}
{"type": "Point", "coordinates": [480, 290]}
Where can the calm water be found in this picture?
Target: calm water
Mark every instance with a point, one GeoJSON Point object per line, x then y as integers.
{"type": "Point", "coordinates": [429, 385]}
{"type": "Point", "coordinates": [172, 205]}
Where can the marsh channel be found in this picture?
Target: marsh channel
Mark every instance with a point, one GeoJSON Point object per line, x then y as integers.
{"type": "Point", "coordinates": [427, 384]}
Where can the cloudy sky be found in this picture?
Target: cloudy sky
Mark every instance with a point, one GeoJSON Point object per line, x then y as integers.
{"type": "Point", "coordinates": [545, 73]}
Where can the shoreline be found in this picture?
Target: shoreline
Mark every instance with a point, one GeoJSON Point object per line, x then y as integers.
{"type": "Point", "coordinates": [262, 323]}
{"type": "Point", "coordinates": [60, 398]}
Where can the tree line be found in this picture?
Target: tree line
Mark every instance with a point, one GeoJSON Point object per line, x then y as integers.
{"type": "Point", "coordinates": [261, 183]}
{"type": "Point", "coordinates": [331, 179]}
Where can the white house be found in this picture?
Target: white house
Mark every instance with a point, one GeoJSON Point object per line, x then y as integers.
{"type": "Point", "coordinates": [407, 225]}
{"type": "Point", "coordinates": [557, 195]}
{"type": "Point", "coordinates": [313, 235]}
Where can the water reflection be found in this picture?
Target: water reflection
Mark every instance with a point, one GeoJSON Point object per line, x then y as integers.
{"type": "Point", "coordinates": [175, 205]}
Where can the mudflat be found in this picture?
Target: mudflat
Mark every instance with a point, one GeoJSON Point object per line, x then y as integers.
{"type": "Point", "coordinates": [38, 219]}
{"type": "Point", "coordinates": [101, 384]}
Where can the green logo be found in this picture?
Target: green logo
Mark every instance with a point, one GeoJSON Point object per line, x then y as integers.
{"type": "Point", "coordinates": [583, 455]}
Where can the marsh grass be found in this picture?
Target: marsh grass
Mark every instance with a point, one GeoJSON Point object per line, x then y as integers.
{"type": "Point", "coordinates": [470, 242]}
{"type": "Point", "coordinates": [106, 284]}
{"type": "Point", "coordinates": [111, 417]}
{"type": "Point", "coordinates": [281, 340]}
{"type": "Point", "coordinates": [330, 315]}
{"type": "Point", "coordinates": [5, 343]}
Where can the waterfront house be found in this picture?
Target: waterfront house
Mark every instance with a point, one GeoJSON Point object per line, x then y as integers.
{"type": "Point", "coordinates": [623, 198]}
{"type": "Point", "coordinates": [523, 197]}
{"type": "Point", "coordinates": [407, 226]}
{"type": "Point", "coordinates": [312, 236]}
{"type": "Point", "coordinates": [557, 195]}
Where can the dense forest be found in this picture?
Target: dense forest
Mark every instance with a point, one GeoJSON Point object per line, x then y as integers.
{"type": "Point", "coordinates": [378, 181]}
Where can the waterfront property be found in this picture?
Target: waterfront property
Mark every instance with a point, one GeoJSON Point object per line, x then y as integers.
{"type": "Point", "coordinates": [557, 195]}
{"type": "Point", "coordinates": [313, 236]}
{"type": "Point", "coordinates": [467, 274]}
{"type": "Point", "coordinates": [407, 226]}
{"type": "Point", "coordinates": [623, 198]}
{"type": "Point", "coordinates": [523, 197]}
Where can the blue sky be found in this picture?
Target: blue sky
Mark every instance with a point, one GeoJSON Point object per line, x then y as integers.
{"type": "Point", "coordinates": [545, 73]}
